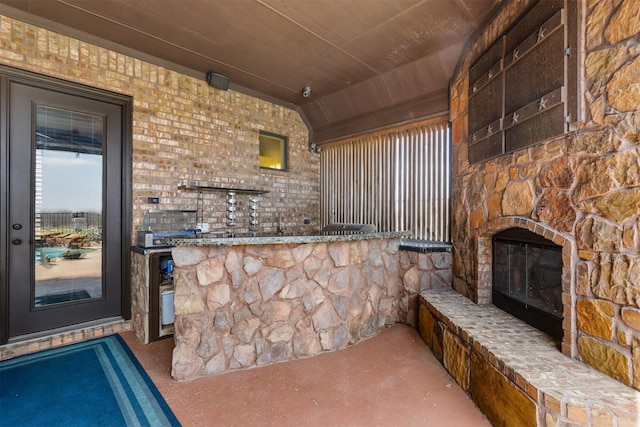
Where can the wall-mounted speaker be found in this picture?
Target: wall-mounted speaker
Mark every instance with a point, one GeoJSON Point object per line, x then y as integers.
{"type": "Point", "coordinates": [217, 80]}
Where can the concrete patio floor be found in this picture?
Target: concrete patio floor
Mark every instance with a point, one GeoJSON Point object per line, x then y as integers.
{"type": "Point", "coordinates": [392, 379]}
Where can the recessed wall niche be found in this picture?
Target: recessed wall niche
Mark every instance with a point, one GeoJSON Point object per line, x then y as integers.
{"type": "Point", "coordinates": [523, 88]}
{"type": "Point", "coordinates": [273, 151]}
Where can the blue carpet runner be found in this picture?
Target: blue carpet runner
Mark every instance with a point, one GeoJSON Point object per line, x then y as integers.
{"type": "Point", "coordinates": [93, 383]}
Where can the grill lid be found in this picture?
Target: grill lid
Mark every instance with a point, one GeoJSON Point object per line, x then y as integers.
{"type": "Point", "coordinates": [358, 228]}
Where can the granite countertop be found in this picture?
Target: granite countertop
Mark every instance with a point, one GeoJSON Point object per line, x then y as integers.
{"type": "Point", "coordinates": [286, 239]}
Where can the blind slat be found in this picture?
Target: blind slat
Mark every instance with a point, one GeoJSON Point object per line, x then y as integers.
{"type": "Point", "coordinates": [397, 181]}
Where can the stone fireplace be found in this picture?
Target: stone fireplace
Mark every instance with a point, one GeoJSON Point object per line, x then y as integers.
{"type": "Point", "coordinates": [563, 303]}
{"type": "Point", "coordinates": [579, 189]}
{"type": "Point", "coordinates": [527, 279]}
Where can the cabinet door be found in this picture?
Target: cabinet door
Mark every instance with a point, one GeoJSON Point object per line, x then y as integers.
{"type": "Point", "coordinates": [160, 281]}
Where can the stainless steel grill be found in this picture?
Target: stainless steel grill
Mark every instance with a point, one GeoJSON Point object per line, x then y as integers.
{"type": "Point", "coordinates": [352, 228]}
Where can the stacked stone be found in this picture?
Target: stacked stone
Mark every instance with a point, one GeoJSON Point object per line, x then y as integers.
{"type": "Point", "coordinates": [583, 188]}
{"type": "Point", "coordinates": [608, 273]}
{"type": "Point", "coordinates": [421, 272]}
{"type": "Point", "coordinates": [140, 296]}
{"type": "Point", "coordinates": [243, 306]}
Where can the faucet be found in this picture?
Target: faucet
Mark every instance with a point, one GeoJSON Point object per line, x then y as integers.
{"type": "Point", "coordinates": [280, 228]}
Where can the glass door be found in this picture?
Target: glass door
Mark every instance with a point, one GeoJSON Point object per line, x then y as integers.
{"type": "Point", "coordinates": [65, 228]}
{"type": "Point", "coordinates": [67, 200]}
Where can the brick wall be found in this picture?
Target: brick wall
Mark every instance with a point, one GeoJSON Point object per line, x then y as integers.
{"type": "Point", "coordinates": [183, 130]}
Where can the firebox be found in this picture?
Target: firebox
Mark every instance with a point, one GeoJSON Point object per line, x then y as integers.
{"type": "Point", "coordinates": [527, 279]}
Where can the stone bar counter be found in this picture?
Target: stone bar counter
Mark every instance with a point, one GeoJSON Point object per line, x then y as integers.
{"type": "Point", "coordinates": [250, 301]}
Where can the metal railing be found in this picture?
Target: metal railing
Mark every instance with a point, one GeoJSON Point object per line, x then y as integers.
{"type": "Point", "coordinates": [47, 221]}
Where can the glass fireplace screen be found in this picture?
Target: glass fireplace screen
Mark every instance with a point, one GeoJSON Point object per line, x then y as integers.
{"type": "Point", "coordinates": [527, 279]}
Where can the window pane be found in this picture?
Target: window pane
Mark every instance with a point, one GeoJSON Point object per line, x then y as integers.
{"type": "Point", "coordinates": [68, 206]}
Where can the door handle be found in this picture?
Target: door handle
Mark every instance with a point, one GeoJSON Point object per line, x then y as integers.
{"type": "Point", "coordinates": [17, 226]}
{"type": "Point", "coordinates": [16, 241]}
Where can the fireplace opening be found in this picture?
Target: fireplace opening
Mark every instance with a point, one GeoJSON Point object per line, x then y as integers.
{"type": "Point", "coordinates": [527, 279]}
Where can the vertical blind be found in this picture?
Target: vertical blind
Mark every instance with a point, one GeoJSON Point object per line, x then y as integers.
{"type": "Point", "coordinates": [397, 180]}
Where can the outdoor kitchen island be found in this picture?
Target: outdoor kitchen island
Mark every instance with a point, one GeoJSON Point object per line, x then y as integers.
{"type": "Point", "coordinates": [242, 302]}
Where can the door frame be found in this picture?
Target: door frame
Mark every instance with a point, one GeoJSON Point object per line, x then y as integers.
{"type": "Point", "coordinates": [10, 74]}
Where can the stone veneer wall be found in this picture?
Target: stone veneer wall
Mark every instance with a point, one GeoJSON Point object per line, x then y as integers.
{"type": "Point", "coordinates": [419, 272]}
{"type": "Point", "coordinates": [581, 190]}
{"type": "Point", "coordinates": [244, 306]}
{"type": "Point", "coordinates": [140, 291]}
{"type": "Point", "coordinates": [184, 131]}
